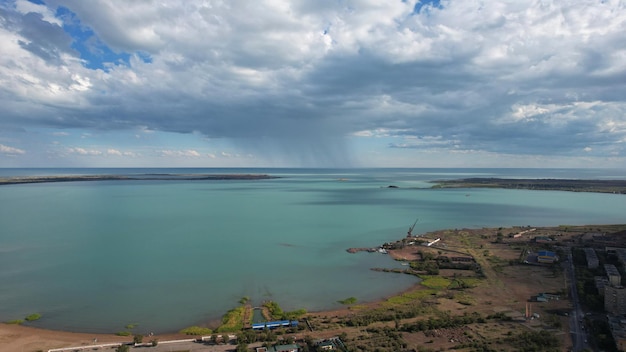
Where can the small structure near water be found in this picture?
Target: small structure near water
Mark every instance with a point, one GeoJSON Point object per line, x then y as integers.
{"type": "Point", "coordinates": [274, 324]}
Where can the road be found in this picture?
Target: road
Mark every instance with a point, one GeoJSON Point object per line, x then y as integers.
{"type": "Point", "coordinates": [579, 336]}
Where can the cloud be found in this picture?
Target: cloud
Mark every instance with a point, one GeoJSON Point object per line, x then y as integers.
{"type": "Point", "coordinates": [180, 153]}
{"type": "Point", "coordinates": [295, 82]}
{"type": "Point", "coordinates": [4, 149]}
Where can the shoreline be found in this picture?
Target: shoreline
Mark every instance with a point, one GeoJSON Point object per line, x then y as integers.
{"type": "Point", "coordinates": [29, 338]}
{"type": "Point", "coordinates": [15, 337]}
{"type": "Point", "coordinates": [18, 180]}
{"type": "Point", "coordinates": [545, 184]}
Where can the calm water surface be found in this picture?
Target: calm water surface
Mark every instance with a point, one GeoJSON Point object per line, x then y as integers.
{"type": "Point", "coordinates": [95, 256]}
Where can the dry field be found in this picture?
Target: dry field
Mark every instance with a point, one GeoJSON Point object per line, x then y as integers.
{"type": "Point", "coordinates": [507, 288]}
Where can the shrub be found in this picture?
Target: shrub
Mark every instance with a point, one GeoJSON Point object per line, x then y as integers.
{"type": "Point", "coordinates": [33, 317]}
{"type": "Point", "coordinates": [349, 300]}
{"type": "Point", "coordinates": [138, 338]}
{"type": "Point", "coordinates": [233, 320]}
{"type": "Point", "coordinates": [196, 330]}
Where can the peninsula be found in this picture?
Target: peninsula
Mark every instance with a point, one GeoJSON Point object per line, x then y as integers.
{"type": "Point", "coordinates": [599, 186]}
{"type": "Point", "coordinates": [138, 177]}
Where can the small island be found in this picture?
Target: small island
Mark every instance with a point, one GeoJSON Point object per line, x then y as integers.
{"type": "Point", "coordinates": [599, 186]}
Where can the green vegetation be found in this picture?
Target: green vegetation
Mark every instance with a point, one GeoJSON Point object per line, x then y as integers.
{"type": "Point", "coordinates": [295, 314]}
{"type": "Point", "coordinates": [123, 333]}
{"type": "Point", "coordinates": [528, 341]}
{"type": "Point", "coordinates": [409, 297]}
{"type": "Point", "coordinates": [348, 301]}
{"type": "Point", "coordinates": [122, 348]}
{"type": "Point", "coordinates": [33, 317]}
{"type": "Point", "coordinates": [275, 311]}
{"type": "Point", "coordinates": [233, 320]}
{"type": "Point", "coordinates": [196, 330]}
{"type": "Point", "coordinates": [427, 265]}
{"type": "Point", "coordinates": [435, 282]}
{"type": "Point", "coordinates": [138, 338]}
{"type": "Point", "coordinates": [244, 300]}
{"type": "Point", "coordinates": [131, 326]}
{"type": "Point", "coordinates": [15, 322]}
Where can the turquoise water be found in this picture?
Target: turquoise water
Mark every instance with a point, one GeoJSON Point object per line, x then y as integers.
{"type": "Point", "coordinates": [95, 256]}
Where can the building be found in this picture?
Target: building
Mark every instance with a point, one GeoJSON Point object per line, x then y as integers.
{"type": "Point", "coordinates": [546, 257]}
{"type": "Point", "coordinates": [326, 346]}
{"type": "Point", "coordinates": [284, 348]}
{"type": "Point", "coordinates": [615, 299]}
{"type": "Point", "coordinates": [601, 282]}
{"type": "Point", "coordinates": [618, 330]}
{"type": "Point", "coordinates": [274, 324]}
{"type": "Point", "coordinates": [621, 257]}
{"type": "Point", "coordinates": [542, 239]}
{"type": "Point", "coordinates": [592, 258]}
{"type": "Point", "coordinates": [615, 278]}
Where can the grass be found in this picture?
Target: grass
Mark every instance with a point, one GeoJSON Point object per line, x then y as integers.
{"type": "Point", "coordinates": [435, 282]}
{"type": "Point", "coordinates": [123, 333]}
{"type": "Point", "coordinates": [347, 301]}
{"type": "Point", "coordinates": [409, 297]}
{"type": "Point", "coordinates": [33, 317]}
{"type": "Point", "coordinates": [196, 330]}
{"type": "Point", "coordinates": [274, 309]}
{"type": "Point", "coordinates": [15, 322]}
{"type": "Point", "coordinates": [465, 299]}
{"type": "Point", "coordinates": [232, 321]}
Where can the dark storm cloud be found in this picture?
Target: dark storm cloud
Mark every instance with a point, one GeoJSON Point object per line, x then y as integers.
{"type": "Point", "coordinates": [44, 39]}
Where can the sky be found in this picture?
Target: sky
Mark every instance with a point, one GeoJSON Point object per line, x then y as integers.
{"type": "Point", "coordinates": [325, 83]}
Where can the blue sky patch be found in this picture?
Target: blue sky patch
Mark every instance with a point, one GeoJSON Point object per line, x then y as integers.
{"type": "Point", "coordinates": [427, 3]}
{"type": "Point", "coordinates": [92, 50]}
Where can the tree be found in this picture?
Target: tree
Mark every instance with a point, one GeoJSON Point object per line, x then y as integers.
{"type": "Point", "coordinates": [122, 348]}
{"type": "Point", "coordinates": [242, 347]}
{"type": "Point", "coordinates": [138, 338]}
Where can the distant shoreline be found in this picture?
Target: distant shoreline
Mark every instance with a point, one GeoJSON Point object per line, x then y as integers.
{"type": "Point", "coordinates": [570, 185]}
{"type": "Point", "coordinates": [13, 180]}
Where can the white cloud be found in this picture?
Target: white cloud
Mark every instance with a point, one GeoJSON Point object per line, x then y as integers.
{"type": "Point", "coordinates": [190, 153]}
{"type": "Point", "coordinates": [84, 151]}
{"type": "Point", "coordinates": [294, 79]}
{"type": "Point", "coordinates": [4, 149]}
{"type": "Point", "coordinates": [24, 6]}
